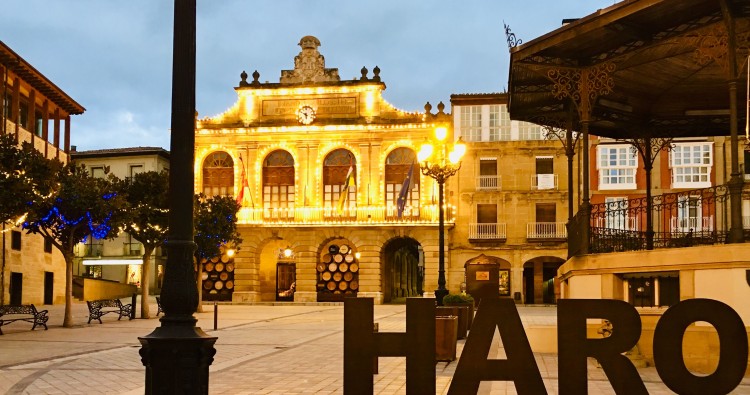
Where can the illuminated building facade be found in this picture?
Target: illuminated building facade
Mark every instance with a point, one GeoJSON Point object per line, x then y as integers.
{"type": "Point", "coordinates": [319, 164]}
{"type": "Point", "coordinates": [35, 110]}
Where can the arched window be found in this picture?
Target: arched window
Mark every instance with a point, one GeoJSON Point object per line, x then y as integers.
{"type": "Point", "coordinates": [398, 165]}
{"type": "Point", "coordinates": [339, 176]}
{"type": "Point", "coordinates": [278, 183]}
{"type": "Point", "coordinates": [218, 175]}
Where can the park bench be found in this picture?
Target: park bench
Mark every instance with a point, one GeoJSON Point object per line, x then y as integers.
{"type": "Point", "coordinates": [98, 308]}
{"type": "Point", "coordinates": [27, 313]}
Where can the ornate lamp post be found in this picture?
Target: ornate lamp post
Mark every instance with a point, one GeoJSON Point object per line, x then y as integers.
{"type": "Point", "coordinates": [441, 165]}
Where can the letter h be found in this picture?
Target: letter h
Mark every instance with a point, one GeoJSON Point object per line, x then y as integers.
{"type": "Point", "coordinates": [362, 344]}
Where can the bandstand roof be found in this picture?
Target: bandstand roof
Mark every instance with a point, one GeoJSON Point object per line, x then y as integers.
{"type": "Point", "coordinates": [655, 67]}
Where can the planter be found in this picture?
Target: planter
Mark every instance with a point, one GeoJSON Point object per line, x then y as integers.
{"type": "Point", "coordinates": [446, 329]}
{"type": "Point", "coordinates": [460, 311]}
{"type": "Point", "coordinates": [466, 308]}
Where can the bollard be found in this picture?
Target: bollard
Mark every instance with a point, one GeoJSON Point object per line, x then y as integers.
{"type": "Point", "coordinates": [132, 304]}
{"type": "Point", "coordinates": [216, 315]}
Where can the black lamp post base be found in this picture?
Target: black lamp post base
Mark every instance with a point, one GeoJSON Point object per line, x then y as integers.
{"type": "Point", "coordinates": [440, 294]}
{"type": "Point", "coordinates": [177, 358]}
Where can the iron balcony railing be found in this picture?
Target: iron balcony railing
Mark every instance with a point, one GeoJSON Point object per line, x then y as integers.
{"type": "Point", "coordinates": [546, 231]}
{"type": "Point", "coordinates": [488, 183]}
{"type": "Point", "coordinates": [362, 215]}
{"type": "Point", "coordinates": [680, 219]}
{"type": "Point", "coordinates": [487, 232]}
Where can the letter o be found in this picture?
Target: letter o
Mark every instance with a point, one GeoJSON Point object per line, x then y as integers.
{"type": "Point", "coordinates": [733, 349]}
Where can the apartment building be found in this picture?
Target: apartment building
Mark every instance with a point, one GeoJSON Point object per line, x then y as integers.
{"type": "Point", "coordinates": [36, 111]}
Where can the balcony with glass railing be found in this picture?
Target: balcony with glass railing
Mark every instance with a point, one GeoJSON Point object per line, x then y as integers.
{"type": "Point", "coordinates": [489, 183]}
{"type": "Point", "coordinates": [550, 231]}
{"type": "Point", "coordinates": [541, 182]}
{"type": "Point", "coordinates": [132, 249]}
{"type": "Point", "coordinates": [487, 231]}
{"type": "Point", "coordinates": [354, 216]}
{"type": "Point", "coordinates": [90, 250]}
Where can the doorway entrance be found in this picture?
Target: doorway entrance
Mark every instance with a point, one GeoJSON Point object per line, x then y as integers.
{"type": "Point", "coordinates": [285, 281]}
{"type": "Point", "coordinates": [402, 271]}
{"type": "Point", "coordinates": [16, 288]}
{"type": "Point", "coordinates": [49, 278]}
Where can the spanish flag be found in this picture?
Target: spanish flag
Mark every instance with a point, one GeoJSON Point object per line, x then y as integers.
{"type": "Point", "coordinates": [348, 183]}
{"type": "Point", "coordinates": [404, 193]}
{"type": "Point", "coordinates": [245, 198]}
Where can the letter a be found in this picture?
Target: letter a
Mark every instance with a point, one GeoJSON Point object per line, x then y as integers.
{"type": "Point", "coordinates": [474, 367]}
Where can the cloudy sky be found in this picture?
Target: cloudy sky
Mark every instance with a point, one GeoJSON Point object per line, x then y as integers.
{"type": "Point", "coordinates": [115, 57]}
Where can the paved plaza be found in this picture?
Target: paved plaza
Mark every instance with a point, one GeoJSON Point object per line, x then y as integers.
{"type": "Point", "coordinates": [261, 349]}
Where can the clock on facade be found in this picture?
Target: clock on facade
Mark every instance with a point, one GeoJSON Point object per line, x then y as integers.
{"type": "Point", "coordinates": [306, 115]}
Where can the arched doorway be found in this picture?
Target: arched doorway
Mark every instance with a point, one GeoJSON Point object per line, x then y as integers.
{"type": "Point", "coordinates": [403, 270]}
{"type": "Point", "coordinates": [276, 271]}
{"type": "Point", "coordinates": [539, 280]}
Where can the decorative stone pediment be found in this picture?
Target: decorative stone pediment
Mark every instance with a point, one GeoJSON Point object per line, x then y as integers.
{"type": "Point", "coordinates": [309, 65]}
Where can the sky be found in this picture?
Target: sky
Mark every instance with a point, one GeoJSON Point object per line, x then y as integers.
{"type": "Point", "coordinates": [115, 57]}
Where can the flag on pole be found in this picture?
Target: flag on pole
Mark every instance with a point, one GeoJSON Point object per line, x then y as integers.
{"type": "Point", "coordinates": [404, 193]}
{"type": "Point", "coordinates": [245, 198]}
{"type": "Point", "coordinates": [348, 183]}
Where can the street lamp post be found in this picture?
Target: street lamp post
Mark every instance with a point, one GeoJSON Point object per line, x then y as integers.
{"type": "Point", "coordinates": [177, 354]}
{"type": "Point", "coordinates": [441, 166]}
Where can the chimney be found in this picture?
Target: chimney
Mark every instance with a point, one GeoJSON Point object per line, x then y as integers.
{"type": "Point", "coordinates": [72, 148]}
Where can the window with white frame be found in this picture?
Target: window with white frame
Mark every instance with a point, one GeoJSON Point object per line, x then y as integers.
{"type": "Point", "coordinates": [617, 165]}
{"type": "Point", "coordinates": [691, 165]}
{"type": "Point", "coordinates": [529, 131]}
{"type": "Point", "coordinates": [499, 123]}
{"type": "Point", "coordinates": [617, 213]}
{"type": "Point", "coordinates": [471, 123]}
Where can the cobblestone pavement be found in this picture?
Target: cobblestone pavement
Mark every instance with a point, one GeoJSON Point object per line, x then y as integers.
{"type": "Point", "coordinates": [262, 349]}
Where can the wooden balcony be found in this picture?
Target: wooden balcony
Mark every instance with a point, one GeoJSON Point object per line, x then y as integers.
{"type": "Point", "coordinates": [350, 216]}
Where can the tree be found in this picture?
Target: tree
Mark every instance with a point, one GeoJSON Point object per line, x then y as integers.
{"type": "Point", "coordinates": [215, 224]}
{"type": "Point", "coordinates": [146, 219]}
{"type": "Point", "coordinates": [25, 177]}
{"type": "Point", "coordinates": [81, 207]}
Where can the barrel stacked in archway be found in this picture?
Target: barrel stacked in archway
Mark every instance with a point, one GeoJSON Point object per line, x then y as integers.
{"type": "Point", "coordinates": [338, 273]}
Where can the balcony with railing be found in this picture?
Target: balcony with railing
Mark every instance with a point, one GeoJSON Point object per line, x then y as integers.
{"type": "Point", "coordinates": [25, 135]}
{"type": "Point", "coordinates": [489, 183]}
{"type": "Point", "coordinates": [353, 216]}
{"type": "Point", "coordinates": [546, 231]}
{"type": "Point", "coordinates": [542, 182]}
{"type": "Point", "coordinates": [90, 250]}
{"type": "Point", "coordinates": [132, 249]}
{"type": "Point", "coordinates": [681, 219]}
{"type": "Point", "coordinates": [487, 232]}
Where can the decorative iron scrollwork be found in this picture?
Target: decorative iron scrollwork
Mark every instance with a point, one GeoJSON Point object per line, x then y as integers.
{"type": "Point", "coordinates": [582, 86]}
{"type": "Point", "coordinates": [513, 41]}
